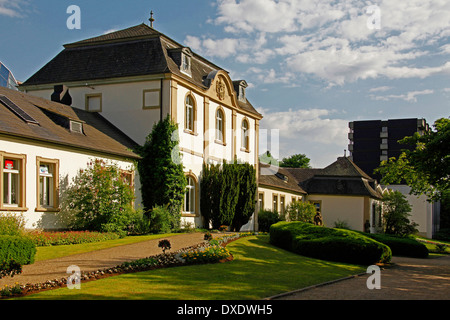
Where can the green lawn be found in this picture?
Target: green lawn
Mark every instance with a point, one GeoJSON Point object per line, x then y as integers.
{"type": "Point", "coordinates": [258, 270]}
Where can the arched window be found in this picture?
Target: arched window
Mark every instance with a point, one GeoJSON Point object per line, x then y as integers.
{"type": "Point", "coordinates": [189, 113]}
{"type": "Point", "coordinates": [220, 121]}
{"type": "Point", "coordinates": [245, 135]}
{"type": "Point", "coordinates": [189, 196]}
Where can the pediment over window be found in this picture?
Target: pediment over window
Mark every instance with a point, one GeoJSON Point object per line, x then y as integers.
{"type": "Point", "coordinates": [221, 88]}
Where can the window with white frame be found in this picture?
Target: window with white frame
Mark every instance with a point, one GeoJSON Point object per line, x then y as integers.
{"type": "Point", "coordinates": [46, 185]}
{"type": "Point", "coordinates": [185, 63]}
{"type": "Point", "coordinates": [282, 204]}
{"type": "Point", "coordinates": [261, 201]}
{"type": "Point", "coordinates": [275, 203]}
{"type": "Point", "coordinates": [190, 113]}
{"type": "Point", "coordinates": [245, 141]}
{"type": "Point", "coordinates": [48, 175]}
{"type": "Point", "coordinates": [220, 125]}
{"type": "Point", "coordinates": [189, 196]}
{"type": "Point", "coordinates": [12, 181]}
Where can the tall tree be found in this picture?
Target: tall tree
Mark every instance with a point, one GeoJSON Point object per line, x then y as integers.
{"type": "Point", "coordinates": [425, 168]}
{"type": "Point", "coordinates": [246, 202]}
{"type": "Point", "coordinates": [395, 216]}
{"type": "Point", "coordinates": [163, 182]}
{"type": "Point", "coordinates": [228, 194]}
{"type": "Point", "coordinates": [296, 161]}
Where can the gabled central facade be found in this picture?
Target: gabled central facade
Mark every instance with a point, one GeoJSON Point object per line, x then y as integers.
{"type": "Point", "coordinates": [137, 76]}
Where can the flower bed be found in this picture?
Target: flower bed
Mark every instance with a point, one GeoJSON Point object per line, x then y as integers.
{"type": "Point", "coordinates": [42, 238]}
{"type": "Point", "coordinates": [213, 251]}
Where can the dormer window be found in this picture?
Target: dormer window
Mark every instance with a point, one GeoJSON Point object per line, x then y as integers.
{"type": "Point", "coordinates": [186, 63]}
{"type": "Point", "coordinates": [182, 57]}
{"type": "Point", "coordinates": [239, 87]}
{"type": "Point", "coordinates": [241, 93]}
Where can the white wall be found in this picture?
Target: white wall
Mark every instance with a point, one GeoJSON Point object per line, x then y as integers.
{"type": "Point", "coordinates": [341, 208]}
{"type": "Point", "coordinates": [122, 104]}
{"type": "Point", "coordinates": [70, 162]}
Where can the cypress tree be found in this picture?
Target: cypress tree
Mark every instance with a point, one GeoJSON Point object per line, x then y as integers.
{"type": "Point", "coordinates": [163, 182]}
{"type": "Point", "coordinates": [246, 203]}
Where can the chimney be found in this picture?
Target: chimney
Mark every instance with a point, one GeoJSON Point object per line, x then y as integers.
{"type": "Point", "coordinates": [61, 95]}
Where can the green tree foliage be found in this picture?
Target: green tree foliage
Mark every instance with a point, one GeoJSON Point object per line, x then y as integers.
{"type": "Point", "coordinates": [426, 168]}
{"type": "Point", "coordinates": [163, 182]}
{"type": "Point", "coordinates": [100, 197]}
{"type": "Point", "coordinates": [227, 194]}
{"type": "Point", "coordinates": [296, 161]}
{"type": "Point", "coordinates": [301, 211]}
{"type": "Point", "coordinates": [267, 158]}
{"type": "Point", "coordinates": [396, 210]}
{"type": "Point", "coordinates": [246, 203]}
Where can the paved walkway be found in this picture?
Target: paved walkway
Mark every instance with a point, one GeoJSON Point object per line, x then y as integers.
{"type": "Point", "coordinates": [41, 271]}
{"type": "Point", "coordinates": [408, 279]}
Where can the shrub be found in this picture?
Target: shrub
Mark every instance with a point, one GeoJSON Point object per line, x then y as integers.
{"type": "Point", "coordinates": [164, 244]}
{"type": "Point", "coordinates": [160, 220]}
{"type": "Point", "coordinates": [207, 236]}
{"type": "Point", "coordinates": [402, 246]}
{"type": "Point", "coordinates": [15, 251]}
{"type": "Point", "coordinates": [328, 243]}
{"type": "Point", "coordinates": [11, 224]}
{"type": "Point", "coordinates": [228, 193]}
{"type": "Point", "coordinates": [339, 224]}
{"type": "Point", "coordinates": [396, 210]}
{"type": "Point", "coordinates": [43, 238]}
{"type": "Point", "coordinates": [101, 197]}
{"type": "Point", "coordinates": [301, 211]}
{"type": "Point", "coordinates": [206, 255]}
{"type": "Point", "coordinates": [443, 234]}
{"type": "Point", "coordinates": [266, 218]}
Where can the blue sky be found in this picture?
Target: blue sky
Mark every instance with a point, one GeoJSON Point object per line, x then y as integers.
{"type": "Point", "coordinates": [312, 65]}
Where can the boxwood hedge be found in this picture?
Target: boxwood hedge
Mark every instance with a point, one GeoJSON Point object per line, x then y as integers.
{"type": "Point", "coordinates": [328, 243]}
{"type": "Point", "coordinates": [17, 250]}
{"type": "Point", "coordinates": [402, 246]}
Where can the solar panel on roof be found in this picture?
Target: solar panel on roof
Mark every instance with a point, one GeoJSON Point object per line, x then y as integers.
{"type": "Point", "coordinates": [17, 110]}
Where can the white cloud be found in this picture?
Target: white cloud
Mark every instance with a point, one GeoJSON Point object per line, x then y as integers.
{"type": "Point", "coordinates": [12, 9]}
{"type": "Point", "coordinates": [380, 89]}
{"type": "Point", "coordinates": [331, 40]}
{"type": "Point", "coordinates": [305, 131]}
{"type": "Point", "coordinates": [409, 96]}
{"type": "Point", "coordinates": [222, 48]}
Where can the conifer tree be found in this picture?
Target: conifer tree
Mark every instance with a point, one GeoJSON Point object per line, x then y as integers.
{"type": "Point", "coordinates": [163, 182]}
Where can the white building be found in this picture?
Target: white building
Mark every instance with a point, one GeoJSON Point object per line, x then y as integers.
{"type": "Point", "coordinates": [43, 145]}
{"type": "Point", "coordinates": [341, 192]}
{"type": "Point", "coordinates": [137, 76]}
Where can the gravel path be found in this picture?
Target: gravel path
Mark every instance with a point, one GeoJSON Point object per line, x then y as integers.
{"type": "Point", "coordinates": [407, 279]}
{"type": "Point", "coordinates": [42, 271]}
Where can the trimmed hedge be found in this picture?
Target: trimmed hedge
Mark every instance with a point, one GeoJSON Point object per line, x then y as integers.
{"type": "Point", "coordinates": [402, 246]}
{"type": "Point", "coordinates": [328, 243]}
{"type": "Point", "coordinates": [18, 249]}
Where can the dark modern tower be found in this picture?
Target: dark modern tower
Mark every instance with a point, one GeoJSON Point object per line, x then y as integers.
{"type": "Point", "coordinates": [373, 141]}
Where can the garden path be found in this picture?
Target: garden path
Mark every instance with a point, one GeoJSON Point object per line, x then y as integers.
{"type": "Point", "coordinates": [42, 271]}
{"type": "Point", "coordinates": [407, 279]}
